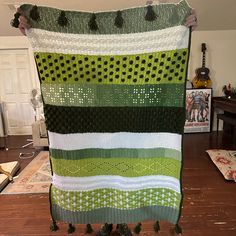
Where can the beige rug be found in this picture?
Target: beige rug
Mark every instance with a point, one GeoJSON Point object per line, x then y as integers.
{"type": "Point", "coordinates": [35, 178]}
{"type": "Point", "coordinates": [225, 161]}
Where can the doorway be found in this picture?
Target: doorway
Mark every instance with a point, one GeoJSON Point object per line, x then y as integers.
{"type": "Point", "coordinates": [15, 86]}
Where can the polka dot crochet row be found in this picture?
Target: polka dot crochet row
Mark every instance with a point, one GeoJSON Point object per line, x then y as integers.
{"type": "Point", "coordinates": [151, 68]}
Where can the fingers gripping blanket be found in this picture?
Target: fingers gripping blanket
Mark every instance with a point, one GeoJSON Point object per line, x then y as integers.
{"type": "Point", "coordinates": [113, 85]}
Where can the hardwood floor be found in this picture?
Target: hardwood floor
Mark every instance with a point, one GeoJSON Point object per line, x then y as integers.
{"type": "Point", "coordinates": [209, 207]}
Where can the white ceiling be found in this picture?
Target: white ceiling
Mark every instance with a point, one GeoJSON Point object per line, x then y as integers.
{"type": "Point", "coordinates": [212, 14]}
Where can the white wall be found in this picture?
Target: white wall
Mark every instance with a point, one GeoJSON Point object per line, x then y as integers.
{"type": "Point", "coordinates": [220, 57]}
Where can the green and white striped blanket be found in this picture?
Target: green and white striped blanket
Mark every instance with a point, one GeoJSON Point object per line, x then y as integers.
{"type": "Point", "coordinates": [113, 85]}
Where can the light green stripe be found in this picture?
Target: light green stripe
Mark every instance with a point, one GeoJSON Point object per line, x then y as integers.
{"type": "Point", "coordinates": [116, 216]}
{"type": "Point", "coordinates": [127, 167]}
{"type": "Point", "coordinates": [166, 67]}
{"type": "Point", "coordinates": [115, 153]}
{"type": "Point", "coordinates": [134, 19]}
{"type": "Point", "coordinates": [85, 95]}
{"type": "Point", "coordinates": [125, 200]}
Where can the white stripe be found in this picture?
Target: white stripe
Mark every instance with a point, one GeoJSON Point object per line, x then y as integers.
{"type": "Point", "coordinates": [77, 141]}
{"type": "Point", "coordinates": [115, 182]}
{"type": "Point", "coordinates": [110, 44]}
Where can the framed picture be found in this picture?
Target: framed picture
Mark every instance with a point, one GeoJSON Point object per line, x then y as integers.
{"type": "Point", "coordinates": [198, 110]}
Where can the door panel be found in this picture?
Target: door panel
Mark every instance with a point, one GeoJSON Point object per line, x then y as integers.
{"type": "Point", "coordinates": [15, 87]}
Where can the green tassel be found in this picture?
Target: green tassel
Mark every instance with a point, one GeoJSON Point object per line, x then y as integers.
{"type": "Point", "coordinates": [110, 228]}
{"type": "Point", "coordinates": [54, 226]}
{"type": "Point", "coordinates": [123, 230]}
{"type": "Point", "coordinates": [62, 20]}
{"type": "Point", "coordinates": [92, 23]}
{"type": "Point", "coordinates": [151, 15]}
{"type": "Point", "coordinates": [34, 14]}
{"type": "Point", "coordinates": [119, 21]}
{"type": "Point", "coordinates": [138, 228]}
{"type": "Point", "coordinates": [89, 229]}
{"type": "Point", "coordinates": [15, 22]}
{"type": "Point", "coordinates": [71, 229]}
{"type": "Point", "coordinates": [157, 227]}
{"type": "Point", "coordinates": [105, 230]}
{"type": "Point", "coordinates": [178, 229]}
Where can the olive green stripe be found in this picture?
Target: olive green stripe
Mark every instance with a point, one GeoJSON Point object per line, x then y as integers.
{"type": "Point", "coordinates": [82, 201]}
{"type": "Point", "coordinates": [116, 216]}
{"type": "Point", "coordinates": [169, 15]}
{"type": "Point", "coordinates": [164, 67]}
{"type": "Point", "coordinates": [115, 153]}
{"type": "Point", "coordinates": [84, 95]}
{"type": "Point", "coordinates": [127, 167]}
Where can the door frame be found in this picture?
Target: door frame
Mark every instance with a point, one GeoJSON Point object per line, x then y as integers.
{"type": "Point", "coordinates": [20, 43]}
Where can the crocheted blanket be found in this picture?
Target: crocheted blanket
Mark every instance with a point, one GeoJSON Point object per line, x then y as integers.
{"type": "Point", "coordinates": [113, 86]}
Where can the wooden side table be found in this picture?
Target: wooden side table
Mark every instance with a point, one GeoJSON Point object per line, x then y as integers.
{"type": "Point", "coordinates": [229, 108]}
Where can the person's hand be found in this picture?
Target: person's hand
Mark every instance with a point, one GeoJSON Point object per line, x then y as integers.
{"type": "Point", "coordinates": [191, 20]}
{"type": "Point", "coordinates": [24, 22]}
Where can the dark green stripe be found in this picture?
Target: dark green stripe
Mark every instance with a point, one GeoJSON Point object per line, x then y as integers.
{"type": "Point", "coordinates": [111, 215]}
{"type": "Point", "coordinates": [90, 95]}
{"type": "Point", "coordinates": [115, 153]}
{"type": "Point", "coordinates": [169, 15]}
{"type": "Point", "coordinates": [114, 119]}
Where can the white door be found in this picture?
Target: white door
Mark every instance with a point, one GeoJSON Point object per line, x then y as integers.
{"type": "Point", "coordinates": [15, 86]}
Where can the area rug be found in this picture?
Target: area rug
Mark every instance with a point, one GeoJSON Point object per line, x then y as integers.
{"type": "Point", "coordinates": [35, 178]}
{"type": "Point", "coordinates": [225, 161]}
